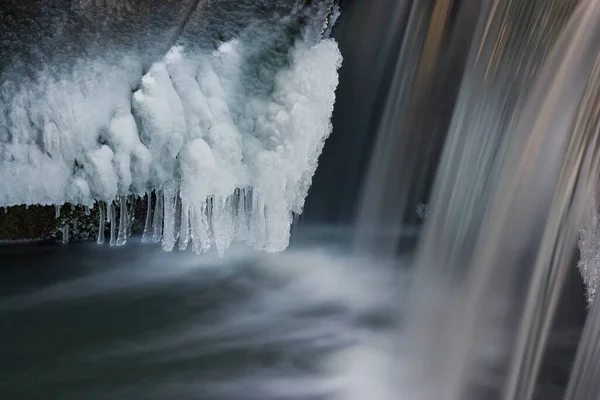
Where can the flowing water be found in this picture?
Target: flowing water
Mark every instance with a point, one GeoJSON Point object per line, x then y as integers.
{"type": "Point", "coordinates": [517, 175]}
{"type": "Point", "coordinates": [135, 322]}
{"type": "Point", "coordinates": [498, 100]}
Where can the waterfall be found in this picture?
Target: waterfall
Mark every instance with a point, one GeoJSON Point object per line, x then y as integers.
{"type": "Point", "coordinates": [583, 382]}
{"type": "Point", "coordinates": [516, 178]}
{"type": "Point", "coordinates": [412, 127]}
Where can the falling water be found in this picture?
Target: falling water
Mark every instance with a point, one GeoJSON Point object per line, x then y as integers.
{"type": "Point", "coordinates": [414, 121]}
{"type": "Point", "coordinates": [517, 174]}
{"type": "Point", "coordinates": [583, 384]}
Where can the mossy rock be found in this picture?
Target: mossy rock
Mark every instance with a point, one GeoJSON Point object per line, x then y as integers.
{"type": "Point", "coordinates": [27, 223]}
{"type": "Point", "coordinates": [41, 222]}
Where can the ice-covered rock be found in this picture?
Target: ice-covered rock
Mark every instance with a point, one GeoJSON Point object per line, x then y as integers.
{"type": "Point", "coordinates": [228, 139]}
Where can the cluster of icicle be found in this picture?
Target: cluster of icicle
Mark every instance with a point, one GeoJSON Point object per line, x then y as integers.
{"type": "Point", "coordinates": [228, 138]}
{"type": "Point", "coordinates": [589, 249]}
{"type": "Point", "coordinates": [172, 221]}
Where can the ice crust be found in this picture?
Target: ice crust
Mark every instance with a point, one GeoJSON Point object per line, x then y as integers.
{"type": "Point", "coordinates": [229, 139]}
{"type": "Point", "coordinates": [589, 250]}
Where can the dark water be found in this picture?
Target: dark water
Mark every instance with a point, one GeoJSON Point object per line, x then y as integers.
{"type": "Point", "coordinates": [90, 322]}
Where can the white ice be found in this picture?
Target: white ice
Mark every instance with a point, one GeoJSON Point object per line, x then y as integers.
{"type": "Point", "coordinates": [589, 250]}
{"type": "Point", "coordinates": [229, 137]}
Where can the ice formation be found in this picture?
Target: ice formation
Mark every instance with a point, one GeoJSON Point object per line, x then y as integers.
{"type": "Point", "coordinates": [589, 250]}
{"type": "Point", "coordinates": [227, 139]}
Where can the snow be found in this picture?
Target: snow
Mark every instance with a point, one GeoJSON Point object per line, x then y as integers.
{"type": "Point", "coordinates": [228, 139]}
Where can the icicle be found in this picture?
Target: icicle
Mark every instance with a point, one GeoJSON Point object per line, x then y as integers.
{"type": "Point", "coordinates": [131, 216]}
{"type": "Point", "coordinates": [200, 238]}
{"type": "Point", "coordinates": [184, 236]}
{"type": "Point", "coordinates": [241, 221]}
{"type": "Point", "coordinates": [65, 234]}
{"type": "Point", "coordinates": [277, 220]}
{"type": "Point", "coordinates": [147, 235]}
{"type": "Point", "coordinates": [102, 223]}
{"type": "Point", "coordinates": [122, 235]}
{"type": "Point", "coordinates": [157, 221]}
{"type": "Point", "coordinates": [178, 206]}
{"type": "Point", "coordinates": [27, 206]}
{"type": "Point", "coordinates": [87, 210]}
{"type": "Point", "coordinates": [113, 223]}
{"type": "Point", "coordinates": [222, 226]}
{"type": "Point", "coordinates": [258, 223]}
{"type": "Point", "coordinates": [208, 218]}
{"type": "Point", "coordinates": [57, 211]}
{"type": "Point", "coordinates": [168, 241]}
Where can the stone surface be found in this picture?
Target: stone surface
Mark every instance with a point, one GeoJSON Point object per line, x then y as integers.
{"type": "Point", "coordinates": [41, 223]}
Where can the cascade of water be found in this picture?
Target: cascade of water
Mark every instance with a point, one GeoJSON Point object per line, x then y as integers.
{"type": "Point", "coordinates": [369, 34]}
{"type": "Point", "coordinates": [583, 382]}
{"type": "Point", "coordinates": [503, 64]}
{"type": "Point", "coordinates": [575, 71]}
{"type": "Point", "coordinates": [504, 207]}
{"type": "Point", "coordinates": [414, 122]}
